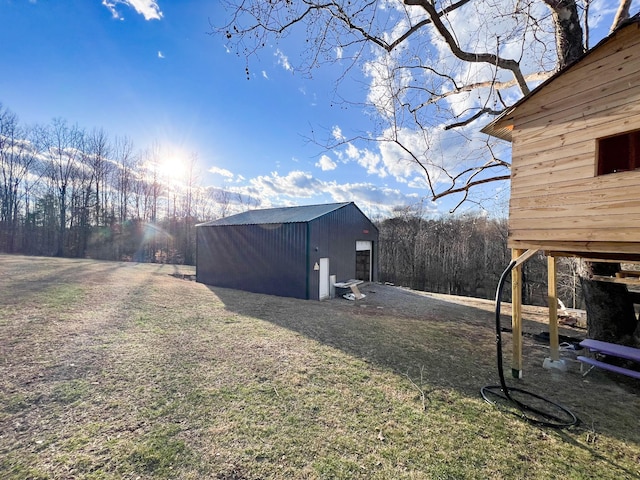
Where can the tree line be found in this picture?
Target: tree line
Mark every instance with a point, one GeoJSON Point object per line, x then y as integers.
{"type": "Point", "coordinates": [463, 255]}
{"type": "Point", "coordinates": [66, 191]}
{"type": "Point", "coordinates": [72, 192]}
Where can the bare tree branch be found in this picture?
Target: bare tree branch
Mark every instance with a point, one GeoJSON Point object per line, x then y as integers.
{"type": "Point", "coordinates": [424, 23]}
{"type": "Point", "coordinates": [489, 58]}
{"type": "Point", "coordinates": [472, 118]}
{"type": "Point", "coordinates": [474, 86]}
{"type": "Point", "coordinates": [411, 87]}
{"type": "Point", "coordinates": [467, 186]}
{"type": "Point", "coordinates": [621, 15]}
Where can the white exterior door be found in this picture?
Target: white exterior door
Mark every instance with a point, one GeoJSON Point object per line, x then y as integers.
{"type": "Point", "coordinates": [324, 278]}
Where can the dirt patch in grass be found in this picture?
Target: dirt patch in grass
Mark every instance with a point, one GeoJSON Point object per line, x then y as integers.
{"type": "Point", "coordinates": [122, 370]}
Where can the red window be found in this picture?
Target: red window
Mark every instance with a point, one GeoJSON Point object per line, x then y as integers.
{"type": "Point", "coordinates": [620, 153]}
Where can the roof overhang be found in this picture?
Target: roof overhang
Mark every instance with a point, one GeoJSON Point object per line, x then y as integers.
{"type": "Point", "coordinates": [502, 126]}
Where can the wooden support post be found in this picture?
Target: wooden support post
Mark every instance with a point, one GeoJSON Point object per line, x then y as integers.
{"type": "Point", "coordinates": [516, 315]}
{"type": "Point", "coordinates": [552, 299]}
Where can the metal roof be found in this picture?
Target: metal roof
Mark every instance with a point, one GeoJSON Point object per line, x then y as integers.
{"type": "Point", "coordinates": [277, 215]}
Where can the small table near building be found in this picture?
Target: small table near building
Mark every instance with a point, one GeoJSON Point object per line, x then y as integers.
{"type": "Point", "coordinates": [353, 285]}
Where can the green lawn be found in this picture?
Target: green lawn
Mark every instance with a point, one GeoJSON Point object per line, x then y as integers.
{"type": "Point", "coordinates": [119, 370]}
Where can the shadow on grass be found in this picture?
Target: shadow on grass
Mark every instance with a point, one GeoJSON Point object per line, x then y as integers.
{"type": "Point", "coordinates": [144, 339]}
{"type": "Point", "coordinates": [450, 344]}
{"type": "Point", "coordinates": [392, 328]}
{"type": "Point", "coordinates": [21, 269]}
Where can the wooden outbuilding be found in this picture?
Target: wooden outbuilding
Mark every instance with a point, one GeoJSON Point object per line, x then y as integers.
{"type": "Point", "coordinates": [290, 252]}
{"type": "Point", "coordinates": [575, 175]}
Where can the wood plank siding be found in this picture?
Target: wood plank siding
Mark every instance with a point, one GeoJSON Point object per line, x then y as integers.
{"type": "Point", "coordinates": [558, 202]}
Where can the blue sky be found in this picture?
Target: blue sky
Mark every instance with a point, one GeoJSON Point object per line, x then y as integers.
{"type": "Point", "coordinates": [150, 70]}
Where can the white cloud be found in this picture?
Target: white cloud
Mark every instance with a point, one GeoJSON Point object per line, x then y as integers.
{"type": "Point", "coordinates": [336, 133]}
{"type": "Point", "coordinates": [325, 163]}
{"type": "Point", "coordinates": [283, 61]}
{"type": "Point", "coordinates": [372, 162]}
{"type": "Point", "coordinates": [295, 184]}
{"type": "Point", "coordinates": [112, 8]}
{"type": "Point", "coordinates": [415, 157]}
{"type": "Point", "coordinates": [397, 162]}
{"type": "Point", "coordinates": [160, 54]}
{"type": "Point", "coordinates": [221, 171]}
{"type": "Point", "coordinates": [149, 9]}
{"type": "Point", "coordinates": [298, 187]}
{"type": "Point", "coordinates": [367, 159]}
{"type": "Point", "coordinates": [352, 152]}
{"type": "Point", "coordinates": [373, 198]}
{"type": "Point", "coordinates": [264, 75]}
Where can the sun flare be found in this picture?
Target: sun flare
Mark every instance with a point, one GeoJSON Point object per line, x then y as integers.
{"type": "Point", "coordinates": [172, 166]}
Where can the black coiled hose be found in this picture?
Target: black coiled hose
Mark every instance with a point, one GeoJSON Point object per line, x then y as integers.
{"type": "Point", "coordinates": [562, 418]}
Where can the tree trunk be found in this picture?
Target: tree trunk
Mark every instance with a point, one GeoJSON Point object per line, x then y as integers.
{"type": "Point", "coordinates": [610, 312]}
{"type": "Point", "coordinates": [63, 221]}
{"type": "Point", "coordinates": [569, 36]}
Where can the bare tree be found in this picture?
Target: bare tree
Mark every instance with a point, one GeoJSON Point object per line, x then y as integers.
{"type": "Point", "coordinates": [460, 255]}
{"type": "Point", "coordinates": [222, 198]}
{"type": "Point", "coordinates": [151, 189]}
{"type": "Point", "coordinates": [100, 150]}
{"type": "Point", "coordinates": [192, 177]}
{"type": "Point", "coordinates": [430, 75]}
{"type": "Point", "coordinates": [17, 161]}
{"type": "Point", "coordinates": [61, 146]}
{"type": "Point", "coordinates": [83, 198]}
{"type": "Point", "coordinates": [149, 178]}
{"type": "Point", "coordinates": [124, 175]}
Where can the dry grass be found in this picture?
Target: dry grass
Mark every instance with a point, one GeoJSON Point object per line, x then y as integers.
{"type": "Point", "coordinates": [120, 370]}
